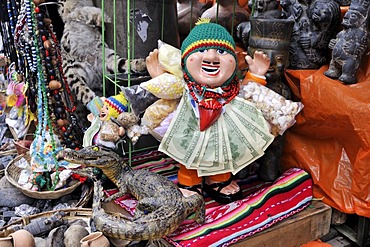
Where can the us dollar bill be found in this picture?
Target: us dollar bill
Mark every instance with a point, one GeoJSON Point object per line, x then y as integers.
{"type": "Point", "coordinates": [183, 140]}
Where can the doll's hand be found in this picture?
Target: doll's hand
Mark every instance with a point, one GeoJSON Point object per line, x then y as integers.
{"type": "Point", "coordinates": [152, 64]}
{"type": "Point", "coordinates": [90, 117]}
{"type": "Point", "coordinates": [121, 131]}
{"type": "Point", "coordinates": [259, 64]}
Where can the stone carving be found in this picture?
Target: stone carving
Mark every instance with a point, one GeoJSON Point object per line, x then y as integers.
{"type": "Point", "coordinates": [272, 36]}
{"type": "Point", "coordinates": [265, 8]}
{"type": "Point", "coordinates": [350, 44]}
{"type": "Point", "coordinates": [315, 25]}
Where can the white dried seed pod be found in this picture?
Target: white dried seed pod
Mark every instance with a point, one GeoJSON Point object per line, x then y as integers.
{"type": "Point", "coordinates": [255, 98]}
{"type": "Point", "coordinates": [247, 95]}
{"type": "Point", "coordinates": [282, 121]}
{"type": "Point", "coordinates": [277, 106]}
{"type": "Point", "coordinates": [261, 98]}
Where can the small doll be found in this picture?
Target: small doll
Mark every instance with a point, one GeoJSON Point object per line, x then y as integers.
{"type": "Point", "coordinates": [103, 131]}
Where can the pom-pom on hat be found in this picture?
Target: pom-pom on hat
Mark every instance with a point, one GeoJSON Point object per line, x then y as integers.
{"type": "Point", "coordinates": [116, 105]}
{"type": "Point", "coordinates": [207, 35]}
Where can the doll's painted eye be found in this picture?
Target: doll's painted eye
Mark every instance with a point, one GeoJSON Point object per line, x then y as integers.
{"type": "Point", "coordinates": [202, 50]}
{"type": "Point", "coordinates": [221, 52]}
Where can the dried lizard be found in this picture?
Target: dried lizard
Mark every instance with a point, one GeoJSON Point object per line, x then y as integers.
{"type": "Point", "coordinates": [161, 206]}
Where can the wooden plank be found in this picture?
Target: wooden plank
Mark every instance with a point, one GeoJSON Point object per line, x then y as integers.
{"type": "Point", "coordinates": [301, 228]}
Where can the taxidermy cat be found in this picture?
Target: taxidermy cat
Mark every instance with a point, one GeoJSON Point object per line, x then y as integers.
{"type": "Point", "coordinates": [82, 50]}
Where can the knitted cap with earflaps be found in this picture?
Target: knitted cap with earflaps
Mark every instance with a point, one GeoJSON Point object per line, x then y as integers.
{"type": "Point", "coordinates": [207, 35]}
{"type": "Point", "coordinates": [116, 105]}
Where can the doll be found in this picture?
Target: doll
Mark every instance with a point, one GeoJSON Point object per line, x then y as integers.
{"type": "Point", "coordinates": [214, 133]}
{"type": "Point", "coordinates": [103, 131]}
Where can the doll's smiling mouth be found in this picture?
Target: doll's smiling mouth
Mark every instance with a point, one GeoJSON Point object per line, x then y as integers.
{"type": "Point", "coordinates": [210, 69]}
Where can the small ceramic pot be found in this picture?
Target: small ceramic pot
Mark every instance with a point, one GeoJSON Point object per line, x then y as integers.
{"type": "Point", "coordinates": [6, 242]}
{"type": "Point", "coordinates": [95, 239]}
{"type": "Point", "coordinates": [22, 238]}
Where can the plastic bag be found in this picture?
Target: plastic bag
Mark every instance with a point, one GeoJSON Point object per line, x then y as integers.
{"type": "Point", "coordinates": [170, 58]}
{"type": "Point", "coordinates": [277, 110]}
{"type": "Point", "coordinates": [158, 111]}
{"type": "Point", "coordinates": [165, 86]}
{"type": "Point", "coordinates": [139, 98]}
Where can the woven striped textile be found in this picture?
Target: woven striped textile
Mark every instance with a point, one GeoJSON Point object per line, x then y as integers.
{"type": "Point", "coordinates": [264, 205]}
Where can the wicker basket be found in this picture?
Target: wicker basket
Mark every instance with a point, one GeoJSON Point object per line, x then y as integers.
{"type": "Point", "coordinates": [12, 173]}
{"type": "Point", "coordinates": [22, 146]}
{"type": "Point", "coordinates": [71, 214]}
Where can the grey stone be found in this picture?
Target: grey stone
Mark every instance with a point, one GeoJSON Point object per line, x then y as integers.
{"type": "Point", "coordinates": [12, 197]}
{"type": "Point", "coordinates": [4, 183]}
{"type": "Point", "coordinates": [74, 234]}
{"type": "Point", "coordinates": [40, 242]}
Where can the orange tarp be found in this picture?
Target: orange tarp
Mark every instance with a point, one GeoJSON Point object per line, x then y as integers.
{"type": "Point", "coordinates": [331, 138]}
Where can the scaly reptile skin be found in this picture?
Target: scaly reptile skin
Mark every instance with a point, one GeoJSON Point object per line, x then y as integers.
{"type": "Point", "coordinates": [161, 206]}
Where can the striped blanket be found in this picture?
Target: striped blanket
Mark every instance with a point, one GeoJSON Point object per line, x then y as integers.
{"type": "Point", "coordinates": [264, 205]}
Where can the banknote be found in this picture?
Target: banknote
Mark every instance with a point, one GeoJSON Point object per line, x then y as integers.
{"type": "Point", "coordinates": [211, 156]}
{"type": "Point", "coordinates": [244, 150]}
{"type": "Point", "coordinates": [183, 139]}
{"type": "Point", "coordinates": [226, 163]}
{"type": "Point", "coordinates": [235, 140]}
{"type": "Point", "coordinates": [259, 130]}
{"type": "Point", "coordinates": [249, 109]}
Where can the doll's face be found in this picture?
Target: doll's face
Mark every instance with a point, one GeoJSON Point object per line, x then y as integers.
{"type": "Point", "coordinates": [212, 67]}
{"type": "Point", "coordinates": [104, 112]}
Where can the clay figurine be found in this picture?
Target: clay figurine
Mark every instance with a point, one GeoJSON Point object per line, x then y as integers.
{"type": "Point", "coordinates": [315, 24]}
{"type": "Point", "coordinates": [350, 44]}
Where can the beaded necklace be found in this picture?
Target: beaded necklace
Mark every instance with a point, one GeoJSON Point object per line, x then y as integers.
{"type": "Point", "coordinates": [229, 92]}
{"type": "Point", "coordinates": [12, 13]}
{"type": "Point", "coordinates": [7, 31]}
{"type": "Point", "coordinates": [31, 33]}
{"type": "Point", "coordinates": [68, 90]}
{"type": "Point", "coordinates": [71, 134]}
{"type": "Point", "coordinates": [44, 122]}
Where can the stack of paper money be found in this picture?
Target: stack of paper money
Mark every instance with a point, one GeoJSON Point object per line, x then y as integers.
{"type": "Point", "coordinates": [235, 140]}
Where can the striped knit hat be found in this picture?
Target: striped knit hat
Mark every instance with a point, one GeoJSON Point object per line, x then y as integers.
{"type": "Point", "coordinates": [207, 35]}
{"type": "Point", "coordinates": [116, 105]}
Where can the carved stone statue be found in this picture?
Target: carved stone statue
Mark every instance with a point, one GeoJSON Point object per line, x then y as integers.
{"type": "Point", "coordinates": [343, 2]}
{"type": "Point", "coordinates": [315, 25]}
{"type": "Point", "coordinates": [272, 36]}
{"type": "Point", "coordinates": [350, 44]}
{"type": "Point", "coordinates": [264, 8]}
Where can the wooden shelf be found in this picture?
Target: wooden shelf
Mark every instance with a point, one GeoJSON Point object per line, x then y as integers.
{"type": "Point", "coordinates": [301, 228]}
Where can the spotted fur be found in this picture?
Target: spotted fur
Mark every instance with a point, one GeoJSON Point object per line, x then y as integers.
{"type": "Point", "coordinates": [82, 50]}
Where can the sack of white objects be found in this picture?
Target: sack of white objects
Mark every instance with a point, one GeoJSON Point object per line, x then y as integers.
{"type": "Point", "coordinates": [277, 110]}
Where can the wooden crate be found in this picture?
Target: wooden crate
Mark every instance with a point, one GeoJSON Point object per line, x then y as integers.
{"type": "Point", "coordinates": [301, 228]}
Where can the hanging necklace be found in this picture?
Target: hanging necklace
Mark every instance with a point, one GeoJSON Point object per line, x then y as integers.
{"type": "Point", "coordinates": [44, 124]}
